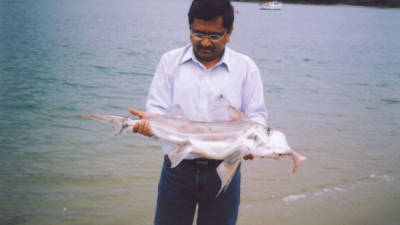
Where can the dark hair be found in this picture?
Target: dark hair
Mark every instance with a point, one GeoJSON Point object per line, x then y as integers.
{"type": "Point", "coordinates": [212, 9]}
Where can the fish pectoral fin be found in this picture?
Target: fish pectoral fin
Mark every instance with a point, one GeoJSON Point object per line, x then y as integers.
{"type": "Point", "coordinates": [227, 169]}
{"type": "Point", "coordinates": [177, 155]}
{"type": "Point", "coordinates": [220, 110]}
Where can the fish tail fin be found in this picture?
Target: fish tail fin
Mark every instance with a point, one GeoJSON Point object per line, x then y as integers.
{"type": "Point", "coordinates": [297, 159]}
{"type": "Point", "coordinates": [119, 123]}
{"type": "Point", "coordinates": [226, 170]}
{"type": "Point", "coordinates": [177, 155]}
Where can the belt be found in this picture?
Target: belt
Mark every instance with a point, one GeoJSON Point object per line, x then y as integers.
{"type": "Point", "coordinates": [199, 162]}
{"type": "Point", "coordinates": [203, 162]}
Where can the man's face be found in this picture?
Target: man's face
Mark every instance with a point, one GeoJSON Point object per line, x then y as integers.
{"type": "Point", "coordinates": [209, 39]}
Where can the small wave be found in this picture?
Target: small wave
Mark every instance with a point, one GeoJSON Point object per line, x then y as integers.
{"type": "Point", "coordinates": [77, 85]}
{"type": "Point", "coordinates": [331, 168]}
{"type": "Point", "coordinates": [319, 193]}
{"type": "Point", "coordinates": [361, 84]}
{"type": "Point", "coordinates": [102, 68]}
{"type": "Point", "coordinates": [390, 101]}
{"type": "Point", "coordinates": [10, 68]}
{"type": "Point", "coordinates": [328, 190]}
{"type": "Point", "coordinates": [383, 85]}
{"type": "Point", "coordinates": [383, 177]}
{"type": "Point", "coordinates": [126, 73]}
{"type": "Point", "coordinates": [370, 108]}
{"type": "Point", "coordinates": [333, 189]}
{"type": "Point", "coordinates": [293, 197]}
{"type": "Point", "coordinates": [338, 189]}
{"type": "Point", "coordinates": [85, 53]}
{"type": "Point", "coordinates": [132, 53]}
{"type": "Point", "coordinates": [136, 73]}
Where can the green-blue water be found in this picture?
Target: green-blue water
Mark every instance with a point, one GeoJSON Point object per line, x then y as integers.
{"type": "Point", "coordinates": [332, 84]}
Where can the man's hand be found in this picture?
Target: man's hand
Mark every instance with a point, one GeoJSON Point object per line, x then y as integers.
{"type": "Point", "coordinates": [248, 156]}
{"type": "Point", "coordinates": [142, 127]}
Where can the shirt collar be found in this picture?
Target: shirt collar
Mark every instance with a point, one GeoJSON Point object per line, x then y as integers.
{"type": "Point", "coordinates": [189, 55]}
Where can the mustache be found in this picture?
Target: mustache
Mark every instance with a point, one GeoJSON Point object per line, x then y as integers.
{"type": "Point", "coordinates": [200, 47]}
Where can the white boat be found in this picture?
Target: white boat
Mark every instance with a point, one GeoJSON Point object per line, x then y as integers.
{"type": "Point", "coordinates": [272, 5]}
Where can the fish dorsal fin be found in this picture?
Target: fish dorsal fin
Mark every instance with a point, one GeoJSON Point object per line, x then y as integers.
{"type": "Point", "coordinates": [237, 115]}
{"type": "Point", "coordinates": [177, 113]}
{"type": "Point", "coordinates": [220, 110]}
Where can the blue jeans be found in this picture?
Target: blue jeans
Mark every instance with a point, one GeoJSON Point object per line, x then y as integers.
{"type": "Point", "coordinates": [196, 182]}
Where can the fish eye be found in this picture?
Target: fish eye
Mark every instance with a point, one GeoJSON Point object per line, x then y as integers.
{"type": "Point", "coordinates": [268, 129]}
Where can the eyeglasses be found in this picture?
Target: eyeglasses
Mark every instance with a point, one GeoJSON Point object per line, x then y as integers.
{"type": "Point", "coordinates": [212, 36]}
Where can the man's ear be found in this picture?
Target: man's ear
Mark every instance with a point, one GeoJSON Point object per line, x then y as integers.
{"type": "Point", "coordinates": [228, 35]}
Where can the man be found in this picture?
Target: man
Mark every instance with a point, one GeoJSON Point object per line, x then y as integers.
{"type": "Point", "coordinates": [191, 77]}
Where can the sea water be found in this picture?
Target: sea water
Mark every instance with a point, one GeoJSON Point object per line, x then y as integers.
{"type": "Point", "coordinates": [331, 83]}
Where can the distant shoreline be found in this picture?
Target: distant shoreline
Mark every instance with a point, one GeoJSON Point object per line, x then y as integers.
{"type": "Point", "coordinates": [370, 3]}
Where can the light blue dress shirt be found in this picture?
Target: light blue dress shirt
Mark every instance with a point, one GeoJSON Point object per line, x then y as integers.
{"type": "Point", "coordinates": [180, 79]}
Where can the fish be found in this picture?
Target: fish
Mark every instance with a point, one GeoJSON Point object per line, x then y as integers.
{"type": "Point", "coordinates": [223, 140]}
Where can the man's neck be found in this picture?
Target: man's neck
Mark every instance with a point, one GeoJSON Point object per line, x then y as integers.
{"type": "Point", "coordinates": [209, 64]}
